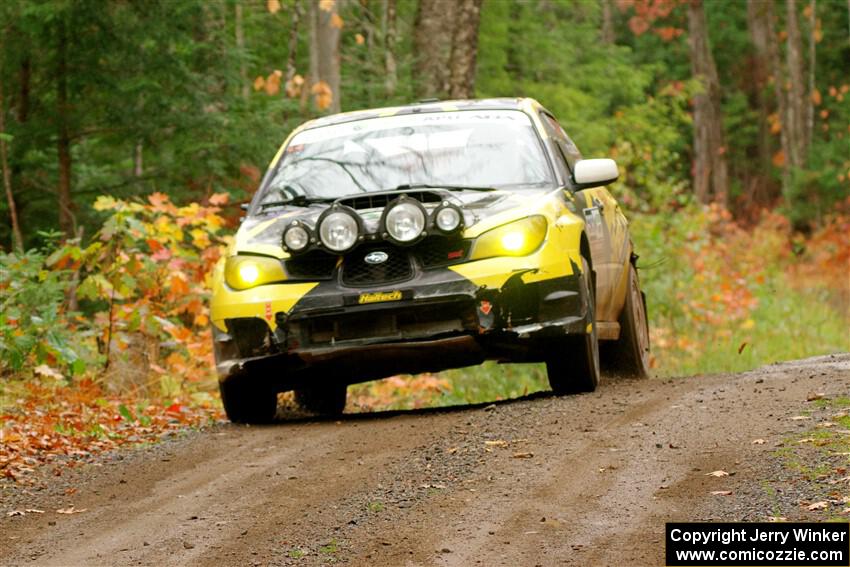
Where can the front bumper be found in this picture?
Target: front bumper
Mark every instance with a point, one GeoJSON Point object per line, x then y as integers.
{"type": "Point", "coordinates": [441, 318]}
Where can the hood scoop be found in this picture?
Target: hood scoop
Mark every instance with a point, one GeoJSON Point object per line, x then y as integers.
{"type": "Point", "coordinates": [378, 200]}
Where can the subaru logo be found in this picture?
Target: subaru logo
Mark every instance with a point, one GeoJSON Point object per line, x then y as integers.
{"type": "Point", "coordinates": [376, 257]}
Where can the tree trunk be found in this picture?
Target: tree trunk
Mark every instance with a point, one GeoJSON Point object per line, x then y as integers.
{"type": "Point", "coordinates": [432, 40]}
{"type": "Point", "coordinates": [63, 141]}
{"type": "Point", "coordinates": [777, 71]}
{"type": "Point", "coordinates": [607, 34]}
{"type": "Point", "coordinates": [17, 237]}
{"type": "Point", "coordinates": [760, 188]}
{"type": "Point", "coordinates": [324, 53]}
{"type": "Point", "coordinates": [390, 68]}
{"type": "Point", "coordinates": [292, 48]}
{"type": "Point", "coordinates": [464, 49]}
{"type": "Point", "coordinates": [796, 108]}
{"type": "Point", "coordinates": [240, 46]}
{"type": "Point", "coordinates": [810, 103]}
{"type": "Point", "coordinates": [710, 170]}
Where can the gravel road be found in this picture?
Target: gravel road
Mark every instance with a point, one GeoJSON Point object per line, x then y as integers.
{"type": "Point", "coordinates": [583, 480]}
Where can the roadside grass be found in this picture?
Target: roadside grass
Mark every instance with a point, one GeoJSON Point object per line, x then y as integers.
{"type": "Point", "coordinates": [820, 455]}
{"type": "Point", "coordinates": [787, 324]}
{"type": "Point", "coordinates": [476, 384]}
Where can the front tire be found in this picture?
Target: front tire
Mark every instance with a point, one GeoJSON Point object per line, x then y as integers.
{"type": "Point", "coordinates": [572, 363]}
{"type": "Point", "coordinates": [248, 400]}
{"type": "Point", "coordinates": [629, 355]}
{"type": "Point", "coordinates": [329, 399]}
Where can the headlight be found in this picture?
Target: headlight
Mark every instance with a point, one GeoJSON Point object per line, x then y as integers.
{"type": "Point", "coordinates": [339, 229]}
{"type": "Point", "coordinates": [518, 238]}
{"type": "Point", "coordinates": [295, 237]}
{"type": "Point", "coordinates": [447, 218]}
{"type": "Point", "coordinates": [404, 221]}
{"type": "Point", "coordinates": [245, 272]}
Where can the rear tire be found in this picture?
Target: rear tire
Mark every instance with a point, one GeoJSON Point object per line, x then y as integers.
{"type": "Point", "coordinates": [572, 363]}
{"type": "Point", "coordinates": [628, 356]}
{"type": "Point", "coordinates": [328, 399]}
{"type": "Point", "coordinates": [248, 400]}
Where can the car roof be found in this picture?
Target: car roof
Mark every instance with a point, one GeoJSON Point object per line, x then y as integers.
{"type": "Point", "coordinates": [429, 105]}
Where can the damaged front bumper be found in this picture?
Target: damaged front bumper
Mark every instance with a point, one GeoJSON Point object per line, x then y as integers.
{"type": "Point", "coordinates": [439, 319]}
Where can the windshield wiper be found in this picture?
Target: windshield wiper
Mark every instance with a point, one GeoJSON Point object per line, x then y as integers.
{"type": "Point", "coordinates": [440, 186]}
{"type": "Point", "coordinates": [297, 201]}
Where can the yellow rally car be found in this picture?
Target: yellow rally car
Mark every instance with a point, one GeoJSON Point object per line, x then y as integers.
{"type": "Point", "coordinates": [421, 238]}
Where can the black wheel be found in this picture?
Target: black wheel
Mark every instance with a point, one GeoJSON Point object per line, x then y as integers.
{"type": "Point", "coordinates": [572, 363]}
{"type": "Point", "coordinates": [628, 356]}
{"type": "Point", "coordinates": [247, 399]}
{"type": "Point", "coordinates": [327, 399]}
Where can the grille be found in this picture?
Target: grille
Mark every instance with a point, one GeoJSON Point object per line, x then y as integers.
{"type": "Point", "coordinates": [441, 251]}
{"type": "Point", "coordinates": [357, 272]}
{"type": "Point", "coordinates": [408, 323]}
{"type": "Point", "coordinates": [315, 265]}
{"type": "Point", "coordinates": [381, 200]}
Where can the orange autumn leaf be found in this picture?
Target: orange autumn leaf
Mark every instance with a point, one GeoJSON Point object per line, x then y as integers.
{"type": "Point", "coordinates": [323, 95]}
{"type": "Point", "coordinates": [272, 86]}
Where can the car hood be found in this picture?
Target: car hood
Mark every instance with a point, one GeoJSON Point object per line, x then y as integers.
{"type": "Point", "coordinates": [263, 233]}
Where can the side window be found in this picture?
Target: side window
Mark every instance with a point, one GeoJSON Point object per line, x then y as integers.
{"type": "Point", "coordinates": [565, 144]}
{"type": "Point", "coordinates": [560, 160]}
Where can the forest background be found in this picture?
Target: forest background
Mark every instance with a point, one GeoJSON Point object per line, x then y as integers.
{"type": "Point", "coordinates": [130, 132]}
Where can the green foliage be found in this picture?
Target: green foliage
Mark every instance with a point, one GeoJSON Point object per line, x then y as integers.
{"type": "Point", "coordinates": [34, 325]}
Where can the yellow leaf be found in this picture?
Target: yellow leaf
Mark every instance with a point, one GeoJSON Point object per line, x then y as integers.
{"type": "Point", "coordinates": [816, 98]}
{"type": "Point", "coordinates": [273, 6]}
{"type": "Point", "coordinates": [104, 203]}
{"type": "Point", "coordinates": [359, 39]}
{"type": "Point", "coordinates": [336, 21]}
{"type": "Point", "coordinates": [327, 5]}
{"type": "Point", "coordinates": [259, 83]}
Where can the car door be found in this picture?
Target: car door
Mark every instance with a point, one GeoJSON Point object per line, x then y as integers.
{"type": "Point", "coordinates": [606, 228]}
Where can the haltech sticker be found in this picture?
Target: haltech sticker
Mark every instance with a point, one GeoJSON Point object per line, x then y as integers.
{"type": "Point", "coordinates": [379, 296]}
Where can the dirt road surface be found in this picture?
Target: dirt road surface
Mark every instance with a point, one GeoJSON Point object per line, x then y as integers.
{"type": "Point", "coordinates": [583, 480]}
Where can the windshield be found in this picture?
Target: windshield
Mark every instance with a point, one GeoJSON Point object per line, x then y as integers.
{"type": "Point", "coordinates": [494, 149]}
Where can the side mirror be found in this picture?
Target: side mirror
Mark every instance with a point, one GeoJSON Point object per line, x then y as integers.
{"type": "Point", "coordinates": [595, 172]}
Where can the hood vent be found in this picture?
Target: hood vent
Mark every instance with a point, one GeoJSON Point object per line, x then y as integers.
{"type": "Point", "coordinates": [377, 200]}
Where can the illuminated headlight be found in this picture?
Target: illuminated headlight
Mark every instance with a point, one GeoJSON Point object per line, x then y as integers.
{"type": "Point", "coordinates": [518, 238]}
{"type": "Point", "coordinates": [296, 238]}
{"type": "Point", "coordinates": [245, 272]}
{"type": "Point", "coordinates": [447, 218]}
{"type": "Point", "coordinates": [339, 230]}
{"type": "Point", "coordinates": [404, 221]}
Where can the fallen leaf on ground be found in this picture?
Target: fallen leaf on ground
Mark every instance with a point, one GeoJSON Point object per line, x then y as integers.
{"type": "Point", "coordinates": [759, 441]}
{"type": "Point", "coordinates": [814, 396]}
{"type": "Point", "coordinates": [721, 492]}
{"type": "Point", "coordinates": [822, 505]}
{"type": "Point", "coordinates": [70, 510]}
{"type": "Point", "coordinates": [497, 443]}
{"type": "Point", "coordinates": [717, 473]}
{"type": "Point", "coordinates": [776, 519]}
{"type": "Point", "coordinates": [14, 513]}
{"type": "Point", "coordinates": [800, 418]}
{"type": "Point", "coordinates": [522, 455]}
{"type": "Point", "coordinates": [451, 451]}
{"type": "Point", "coordinates": [34, 511]}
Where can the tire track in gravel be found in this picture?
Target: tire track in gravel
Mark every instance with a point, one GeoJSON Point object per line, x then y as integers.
{"type": "Point", "coordinates": [583, 480]}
